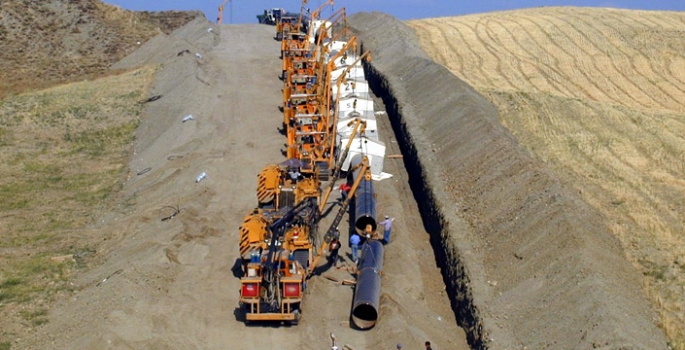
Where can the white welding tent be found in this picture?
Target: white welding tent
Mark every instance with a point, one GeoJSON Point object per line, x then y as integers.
{"type": "Point", "coordinates": [354, 103]}
{"type": "Point", "coordinates": [344, 131]}
{"type": "Point", "coordinates": [359, 88]}
{"type": "Point", "coordinates": [318, 25]}
{"type": "Point", "coordinates": [373, 149]}
{"type": "Point", "coordinates": [355, 73]}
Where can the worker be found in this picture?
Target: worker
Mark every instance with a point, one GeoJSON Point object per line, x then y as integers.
{"type": "Point", "coordinates": [294, 175]}
{"type": "Point", "coordinates": [399, 346]}
{"type": "Point", "coordinates": [428, 345]}
{"type": "Point", "coordinates": [334, 247]}
{"type": "Point", "coordinates": [387, 227]}
{"type": "Point", "coordinates": [344, 190]}
{"type": "Point", "coordinates": [354, 243]}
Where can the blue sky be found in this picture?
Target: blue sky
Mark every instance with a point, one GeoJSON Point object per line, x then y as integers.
{"type": "Point", "coordinates": [244, 11]}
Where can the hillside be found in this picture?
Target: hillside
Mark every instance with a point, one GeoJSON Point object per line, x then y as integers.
{"type": "Point", "coordinates": [597, 95]}
{"type": "Point", "coordinates": [63, 148]}
{"type": "Point", "coordinates": [43, 43]}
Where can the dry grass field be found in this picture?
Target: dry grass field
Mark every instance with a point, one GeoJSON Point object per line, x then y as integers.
{"type": "Point", "coordinates": [598, 95]}
{"type": "Point", "coordinates": [64, 154]}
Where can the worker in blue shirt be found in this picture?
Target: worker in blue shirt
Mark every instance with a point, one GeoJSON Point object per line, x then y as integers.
{"type": "Point", "coordinates": [354, 243]}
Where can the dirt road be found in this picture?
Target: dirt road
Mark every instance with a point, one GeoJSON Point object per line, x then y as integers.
{"type": "Point", "coordinates": [171, 284]}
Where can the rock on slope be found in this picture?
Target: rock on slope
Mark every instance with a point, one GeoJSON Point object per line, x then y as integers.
{"type": "Point", "coordinates": [528, 263]}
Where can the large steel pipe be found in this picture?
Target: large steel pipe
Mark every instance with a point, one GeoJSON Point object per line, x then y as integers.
{"type": "Point", "coordinates": [367, 292]}
{"type": "Point", "coordinates": [364, 200]}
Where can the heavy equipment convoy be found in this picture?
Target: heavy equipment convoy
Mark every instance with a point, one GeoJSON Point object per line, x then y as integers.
{"type": "Point", "coordinates": [271, 16]}
{"type": "Point", "coordinates": [331, 133]}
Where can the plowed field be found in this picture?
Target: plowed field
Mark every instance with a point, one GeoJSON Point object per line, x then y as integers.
{"type": "Point", "coordinates": [597, 95]}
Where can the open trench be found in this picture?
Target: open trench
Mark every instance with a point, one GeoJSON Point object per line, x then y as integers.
{"type": "Point", "coordinates": [447, 257]}
{"type": "Point", "coordinates": [525, 261]}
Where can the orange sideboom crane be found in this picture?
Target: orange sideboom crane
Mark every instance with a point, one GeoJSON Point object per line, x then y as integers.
{"type": "Point", "coordinates": [331, 232]}
{"type": "Point", "coordinates": [359, 127]}
{"type": "Point", "coordinates": [315, 13]}
{"type": "Point", "coordinates": [220, 17]}
{"type": "Point", "coordinates": [366, 55]}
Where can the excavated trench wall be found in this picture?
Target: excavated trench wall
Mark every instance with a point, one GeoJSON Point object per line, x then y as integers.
{"type": "Point", "coordinates": [526, 262]}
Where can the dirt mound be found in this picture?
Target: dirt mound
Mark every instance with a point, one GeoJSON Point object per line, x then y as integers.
{"type": "Point", "coordinates": [43, 43]}
{"type": "Point", "coordinates": [527, 262]}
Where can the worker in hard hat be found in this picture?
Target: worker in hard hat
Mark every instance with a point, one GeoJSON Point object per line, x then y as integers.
{"type": "Point", "coordinates": [387, 227]}
{"type": "Point", "coordinates": [294, 175]}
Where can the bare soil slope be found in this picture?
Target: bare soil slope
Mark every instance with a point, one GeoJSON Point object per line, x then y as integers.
{"type": "Point", "coordinates": [528, 263]}
{"type": "Point", "coordinates": [597, 95]}
{"type": "Point", "coordinates": [43, 43]}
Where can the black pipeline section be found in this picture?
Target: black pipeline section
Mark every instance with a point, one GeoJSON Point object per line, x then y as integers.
{"type": "Point", "coordinates": [447, 257]}
{"type": "Point", "coordinates": [364, 200]}
{"type": "Point", "coordinates": [367, 292]}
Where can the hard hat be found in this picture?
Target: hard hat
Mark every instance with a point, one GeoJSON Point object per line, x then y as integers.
{"type": "Point", "coordinates": [388, 217]}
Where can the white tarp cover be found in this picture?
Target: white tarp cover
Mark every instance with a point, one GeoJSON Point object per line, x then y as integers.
{"type": "Point", "coordinates": [355, 73]}
{"type": "Point", "coordinates": [360, 89]}
{"type": "Point", "coordinates": [354, 103]}
{"type": "Point", "coordinates": [373, 149]}
{"type": "Point", "coordinates": [345, 131]}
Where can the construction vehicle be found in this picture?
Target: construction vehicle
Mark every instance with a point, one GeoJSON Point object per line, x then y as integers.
{"type": "Point", "coordinates": [276, 272]}
{"type": "Point", "coordinates": [270, 16]}
{"type": "Point", "coordinates": [277, 248]}
{"type": "Point", "coordinates": [220, 17]}
{"type": "Point", "coordinates": [280, 245]}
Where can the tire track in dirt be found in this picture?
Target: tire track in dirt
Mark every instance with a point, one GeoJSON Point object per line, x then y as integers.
{"type": "Point", "coordinates": [530, 60]}
{"type": "Point", "coordinates": [556, 68]}
{"type": "Point", "coordinates": [551, 64]}
{"type": "Point", "coordinates": [678, 22]}
{"type": "Point", "coordinates": [491, 49]}
{"type": "Point", "coordinates": [480, 62]}
{"type": "Point", "coordinates": [589, 157]}
{"type": "Point", "coordinates": [440, 44]}
{"type": "Point", "coordinates": [628, 57]}
{"type": "Point", "coordinates": [577, 44]}
{"type": "Point", "coordinates": [580, 68]}
{"type": "Point", "coordinates": [619, 83]}
{"type": "Point", "coordinates": [652, 62]}
{"type": "Point", "coordinates": [438, 39]}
